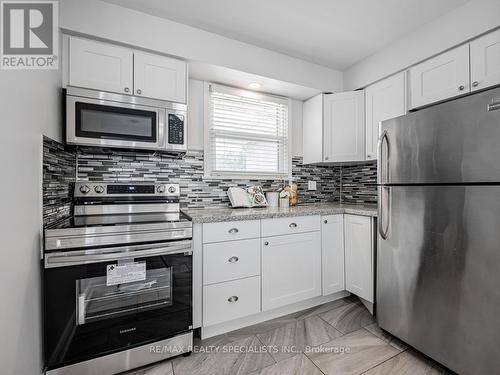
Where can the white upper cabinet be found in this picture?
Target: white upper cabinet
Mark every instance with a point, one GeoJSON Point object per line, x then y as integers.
{"type": "Point", "coordinates": [333, 128]}
{"type": "Point", "coordinates": [160, 77]}
{"type": "Point", "coordinates": [100, 66]}
{"type": "Point", "coordinates": [344, 129]}
{"type": "Point", "coordinates": [332, 253]}
{"type": "Point", "coordinates": [359, 256]}
{"type": "Point", "coordinates": [384, 100]}
{"type": "Point", "coordinates": [312, 130]}
{"type": "Point", "coordinates": [485, 61]}
{"type": "Point", "coordinates": [440, 78]}
{"type": "Point", "coordinates": [106, 67]}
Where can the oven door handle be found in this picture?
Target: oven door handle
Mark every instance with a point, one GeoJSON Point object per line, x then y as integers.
{"type": "Point", "coordinates": [73, 258]}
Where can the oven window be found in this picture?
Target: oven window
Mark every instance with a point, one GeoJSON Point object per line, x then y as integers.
{"type": "Point", "coordinates": [97, 301]}
{"type": "Point", "coordinates": [107, 122]}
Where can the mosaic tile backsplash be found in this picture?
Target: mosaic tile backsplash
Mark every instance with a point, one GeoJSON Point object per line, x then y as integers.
{"type": "Point", "coordinates": [359, 183]}
{"type": "Point", "coordinates": [63, 165]}
{"type": "Point", "coordinates": [187, 170]}
{"type": "Point", "coordinates": [59, 173]}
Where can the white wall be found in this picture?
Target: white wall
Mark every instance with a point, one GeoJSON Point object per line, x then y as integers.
{"type": "Point", "coordinates": [29, 107]}
{"type": "Point", "coordinates": [107, 21]}
{"type": "Point", "coordinates": [196, 119]}
{"type": "Point", "coordinates": [468, 21]}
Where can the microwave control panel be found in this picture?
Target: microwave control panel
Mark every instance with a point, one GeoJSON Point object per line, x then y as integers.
{"type": "Point", "coordinates": [175, 129]}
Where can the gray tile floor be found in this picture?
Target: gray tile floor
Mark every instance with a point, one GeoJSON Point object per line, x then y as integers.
{"type": "Point", "coordinates": [339, 337]}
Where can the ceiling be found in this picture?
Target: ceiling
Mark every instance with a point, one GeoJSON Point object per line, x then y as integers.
{"type": "Point", "coordinates": [333, 33]}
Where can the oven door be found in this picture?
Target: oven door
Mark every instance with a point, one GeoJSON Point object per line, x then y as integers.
{"type": "Point", "coordinates": [104, 123]}
{"type": "Point", "coordinates": [101, 301]}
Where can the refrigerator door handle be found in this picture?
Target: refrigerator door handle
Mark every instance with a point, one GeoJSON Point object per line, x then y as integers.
{"type": "Point", "coordinates": [380, 163]}
{"type": "Point", "coordinates": [384, 208]}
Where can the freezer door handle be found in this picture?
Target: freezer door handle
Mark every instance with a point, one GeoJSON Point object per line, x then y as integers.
{"type": "Point", "coordinates": [380, 161]}
{"type": "Point", "coordinates": [384, 211]}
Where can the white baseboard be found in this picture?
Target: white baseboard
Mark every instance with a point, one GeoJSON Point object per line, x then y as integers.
{"type": "Point", "coordinates": [232, 325]}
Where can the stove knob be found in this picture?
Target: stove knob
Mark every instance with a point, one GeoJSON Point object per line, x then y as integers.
{"type": "Point", "coordinates": [160, 189]}
{"type": "Point", "coordinates": [99, 189]}
{"type": "Point", "coordinates": [172, 189]}
{"type": "Point", "coordinates": [84, 189]}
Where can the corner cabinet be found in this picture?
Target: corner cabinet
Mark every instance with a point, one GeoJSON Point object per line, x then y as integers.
{"type": "Point", "coordinates": [384, 100]}
{"type": "Point", "coordinates": [332, 254]}
{"type": "Point", "coordinates": [106, 67]}
{"type": "Point", "coordinates": [333, 128]}
{"type": "Point", "coordinates": [359, 256]}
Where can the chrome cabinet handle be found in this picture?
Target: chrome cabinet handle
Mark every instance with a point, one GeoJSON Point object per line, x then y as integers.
{"type": "Point", "coordinates": [233, 230]}
{"type": "Point", "coordinates": [326, 221]}
{"type": "Point", "coordinates": [326, 157]}
{"type": "Point", "coordinates": [461, 87]}
{"type": "Point", "coordinates": [126, 89]}
{"type": "Point", "coordinates": [293, 225]}
{"type": "Point", "coordinates": [266, 243]}
{"type": "Point", "coordinates": [233, 299]}
{"type": "Point", "coordinates": [475, 84]}
{"type": "Point", "coordinates": [233, 259]}
{"type": "Point", "coordinates": [139, 91]}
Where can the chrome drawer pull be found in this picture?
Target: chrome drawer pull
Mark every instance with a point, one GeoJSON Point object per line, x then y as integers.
{"type": "Point", "coordinates": [266, 243]}
{"type": "Point", "coordinates": [232, 299]}
{"type": "Point", "coordinates": [233, 230]}
{"type": "Point", "coordinates": [293, 225]}
{"type": "Point", "coordinates": [233, 259]}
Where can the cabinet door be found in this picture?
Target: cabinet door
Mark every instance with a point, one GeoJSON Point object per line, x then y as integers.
{"type": "Point", "coordinates": [332, 254]}
{"type": "Point", "coordinates": [343, 126]}
{"type": "Point", "coordinates": [359, 259]}
{"type": "Point", "coordinates": [485, 61]}
{"type": "Point", "coordinates": [160, 77]}
{"type": "Point", "coordinates": [384, 100]}
{"type": "Point", "coordinates": [440, 78]}
{"type": "Point", "coordinates": [312, 130]}
{"type": "Point", "coordinates": [291, 269]}
{"type": "Point", "coordinates": [100, 66]}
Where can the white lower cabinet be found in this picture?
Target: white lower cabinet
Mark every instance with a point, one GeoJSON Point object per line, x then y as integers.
{"type": "Point", "coordinates": [230, 300]}
{"type": "Point", "coordinates": [291, 269]}
{"type": "Point", "coordinates": [231, 260]}
{"type": "Point", "coordinates": [294, 260]}
{"type": "Point", "coordinates": [332, 254]}
{"type": "Point", "coordinates": [359, 256]}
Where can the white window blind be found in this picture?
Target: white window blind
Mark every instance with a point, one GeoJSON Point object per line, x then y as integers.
{"type": "Point", "coordinates": [246, 134]}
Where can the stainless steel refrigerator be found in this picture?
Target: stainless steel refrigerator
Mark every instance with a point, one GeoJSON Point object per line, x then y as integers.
{"type": "Point", "coordinates": [438, 259]}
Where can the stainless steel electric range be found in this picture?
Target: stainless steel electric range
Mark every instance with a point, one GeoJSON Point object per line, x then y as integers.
{"type": "Point", "coordinates": [117, 280]}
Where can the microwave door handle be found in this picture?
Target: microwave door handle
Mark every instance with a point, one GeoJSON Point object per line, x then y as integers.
{"type": "Point", "coordinates": [162, 128]}
{"type": "Point", "coordinates": [60, 260]}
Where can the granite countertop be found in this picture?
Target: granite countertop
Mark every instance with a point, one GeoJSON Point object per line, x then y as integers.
{"type": "Point", "coordinates": [218, 214]}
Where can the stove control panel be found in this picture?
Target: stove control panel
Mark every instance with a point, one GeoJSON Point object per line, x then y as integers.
{"type": "Point", "coordinates": [116, 189]}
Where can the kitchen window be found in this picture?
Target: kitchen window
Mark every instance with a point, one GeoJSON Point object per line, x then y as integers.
{"type": "Point", "coordinates": [246, 134]}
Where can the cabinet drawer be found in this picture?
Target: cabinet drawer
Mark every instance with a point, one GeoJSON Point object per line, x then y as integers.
{"type": "Point", "coordinates": [290, 225]}
{"type": "Point", "coordinates": [231, 230]}
{"type": "Point", "coordinates": [231, 300]}
{"type": "Point", "coordinates": [230, 260]}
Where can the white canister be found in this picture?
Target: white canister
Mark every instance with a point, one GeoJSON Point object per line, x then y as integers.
{"type": "Point", "coordinates": [284, 202]}
{"type": "Point", "coordinates": [272, 198]}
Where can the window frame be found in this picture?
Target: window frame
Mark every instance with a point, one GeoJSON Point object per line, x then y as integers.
{"type": "Point", "coordinates": [208, 173]}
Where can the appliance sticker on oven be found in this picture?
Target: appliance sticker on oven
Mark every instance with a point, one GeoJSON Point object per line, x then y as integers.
{"type": "Point", "coordinates": [125, 273]}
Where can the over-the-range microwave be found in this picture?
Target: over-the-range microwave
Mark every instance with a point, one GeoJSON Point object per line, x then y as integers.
{"type": "Point", "coordinates": [104, 119]}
